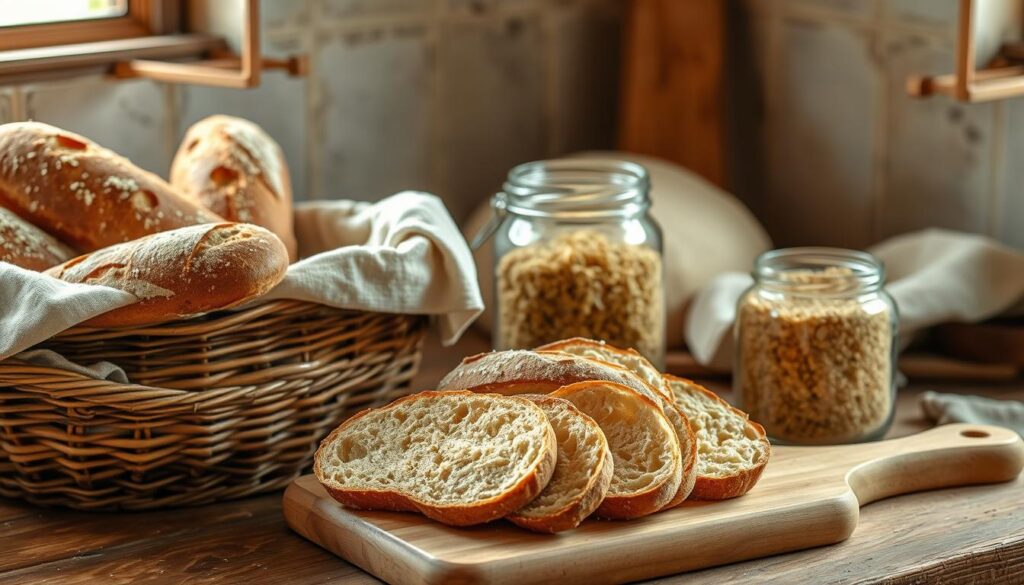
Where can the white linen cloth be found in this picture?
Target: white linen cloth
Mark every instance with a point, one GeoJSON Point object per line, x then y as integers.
{"type": "Point", "coordinates": [935, 276]}
{"type": "Point", "coordinates": [403, 254]}
{"type": "Point", "coordinates": [942, 408]}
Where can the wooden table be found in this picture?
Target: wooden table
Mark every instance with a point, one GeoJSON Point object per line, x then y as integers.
{"type": "Point", "coordinates": [969, 535]}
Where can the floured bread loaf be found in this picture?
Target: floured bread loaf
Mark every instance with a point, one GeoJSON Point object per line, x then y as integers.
{"type": "Point", "coordinates": [647, 463]}
{"type": "Point", "coordinates": [25, 245]}
{"type": "Point", "coordinates": [582, 475]}
{"type": "Point", "coordinates": [84, 195]}
{"type": "Point", "coordinates": [182, 273]}
{"type": "Point", "coordinates": [458, 457]}
{"type": "Point", "coordinates": [733, 450]}
{"type": "Point", "coordinates": [238, 171]}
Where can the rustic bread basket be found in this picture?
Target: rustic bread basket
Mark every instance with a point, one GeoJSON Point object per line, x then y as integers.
{"type": "Point", "coordinates": [224, 406]}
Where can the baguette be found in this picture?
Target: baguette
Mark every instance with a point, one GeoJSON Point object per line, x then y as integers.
{"type": "Point", "coordinates": [235, 169]}
{"type": "Point", "coordinates": [182, 273]}
{"type": "Point", "coordinates": [84, 195]}
{"type": "Point", "coordinates": [733, 449]}
{"type": "Point", "coordinates": [521, 371]}
{"type": "Point", "coordinates": [27, 246]}
{"type": "Point", "coordinates": [647, 468]}
{"type": "Point", "coordinates": [457, 457]}
{"type": "Point", "coordinates": [582, 475]}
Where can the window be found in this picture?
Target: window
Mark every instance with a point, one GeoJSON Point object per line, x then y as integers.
{"type": "Point", "coordinates": [134, 38]}
{"type": "Point", "coordinates": [20, 13]}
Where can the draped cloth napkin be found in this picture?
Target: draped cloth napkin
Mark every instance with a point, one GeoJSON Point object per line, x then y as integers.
{"type": "Point", "coordinates": [403, 254]}
{"type": "Point", "coordinates": [943, 408]}
{"type": "Point", "coordinates": [935, 276]}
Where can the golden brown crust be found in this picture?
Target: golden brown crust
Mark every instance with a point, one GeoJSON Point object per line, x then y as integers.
{"type": "Point", "coordinates": [182, 273]}
{"type": "Point", "coordinates": [27, 246]}
{"type": "Point", "coordinates": [85, 195]}
{"type": "Point", "coordinates": [523, 371]}
{"type": "Point", "coordinates": [571, 515]}
{"type": "Point", "coordinates": [655, 498]}
{"type": "Point", "coordinates": [236, 170]}
{"type": "Point", "coordinates": [724, 488]}
{"type": "Point", "coordinates": [603, 346]}
{"type": "Point", "coordinates": [456, 515]}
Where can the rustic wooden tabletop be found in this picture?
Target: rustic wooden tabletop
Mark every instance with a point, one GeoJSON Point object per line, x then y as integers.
{"type": "Point", "coordinates": [968, 535]}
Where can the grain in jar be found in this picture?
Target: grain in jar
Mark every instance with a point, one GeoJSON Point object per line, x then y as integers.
{"type": "Point", "coordinates": [815, 339]}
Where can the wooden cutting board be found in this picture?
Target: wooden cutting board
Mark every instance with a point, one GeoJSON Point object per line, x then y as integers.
{"type": "Point", "coordinates": [807, 497]}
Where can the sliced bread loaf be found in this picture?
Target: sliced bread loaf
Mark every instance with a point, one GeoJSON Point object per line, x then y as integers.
{"type": "Point", "coordinates": [582, 475]}
{"type": "Point", "coordinates": [627, 358]}
{"type": "Point", "coordinates": [631, 360]}
{"type": "Point", "coordinates": [647, 463]}
{"type": "Point", "coordinates": [521, 371]}
{"type": "Point", "coordinates": [733, 450]}
{"type": "Point", "coordinates": [458, 457]}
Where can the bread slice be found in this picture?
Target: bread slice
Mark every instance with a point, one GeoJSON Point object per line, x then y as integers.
{"type": "Point", "coordinates": [582, 475]}
{"type": "Point", "coordinates": [630, 359]}
{"type": "Point", "coordinates": [733, 449]}
{"type": "Point", "coordinates": [647, 465]}
{"type": "Point", "coordinates": [458, 457]}
{"type": "Point", "coordinates": [523, 371]}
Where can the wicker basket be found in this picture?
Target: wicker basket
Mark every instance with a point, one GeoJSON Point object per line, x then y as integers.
{"type": "Point", "coordinates": [221, 407]}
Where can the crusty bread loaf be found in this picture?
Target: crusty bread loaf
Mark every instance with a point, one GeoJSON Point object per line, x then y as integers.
{"type": "Point", "coordinates": [182, 273]}
{"type": "Point", "coordinates": [656, 389]}
{"type": "Point", "coordinates": [647, 467]}
{"type": "Point", "coordinates": [458, 457]}
{"type": "Point", "coordinates": [630, 359]}
{"type": "Point", "coordinates": [84, 195]}
{"type": "Point", "coordinates": [733, 449]}
{"type": "Point", "coordinates": [25, 245]}
{"type": "Point", "coordinates": [583, 472]}
{"type": "Point", "coordinates": [521, 371]}
{"type": "Point", "coordinates": [235, 169]}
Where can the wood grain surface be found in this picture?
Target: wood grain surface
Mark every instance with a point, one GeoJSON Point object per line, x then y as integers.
{"type": "Point", "coordinates": [808, 496]}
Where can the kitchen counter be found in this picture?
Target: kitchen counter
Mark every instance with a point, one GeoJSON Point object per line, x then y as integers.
{"type": "Point", "coordinates": [973, 534]}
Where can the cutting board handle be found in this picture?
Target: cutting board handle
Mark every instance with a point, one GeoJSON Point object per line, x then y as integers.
{"type": "Point", "coordinates": [946, 456]}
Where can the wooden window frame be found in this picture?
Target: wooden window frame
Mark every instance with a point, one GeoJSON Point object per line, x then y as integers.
{"type": "Point", "coordinates": [130, 46]}
{"type": "Point", "coordinates": [969, 84]}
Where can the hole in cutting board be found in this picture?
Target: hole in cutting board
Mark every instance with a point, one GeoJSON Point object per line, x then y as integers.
{"type": "Point", "coordinates": [974, 434]}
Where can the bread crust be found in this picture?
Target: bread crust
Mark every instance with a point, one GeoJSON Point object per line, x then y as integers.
{"type": "Point", "coordinates": [455, 515]}
{"type": "Point", "coordinates": [654, 498]}
{"type": "Point", "coordinates": [84, 195]}
{"type": "Point", "coordinates": [182, 273]}
{"type": "Point", "coordinates": [522, 371]}
{"type": "Point", "coordinates": [27, 246]}
{"type": "Point", "coordinates": [724, 488]}
{"type": "Point", "coordinates": [235, 169]}
{"type": "Point", "coordinates": [603, 346]}
{"type": "Point", "coordinates": [572, 514]}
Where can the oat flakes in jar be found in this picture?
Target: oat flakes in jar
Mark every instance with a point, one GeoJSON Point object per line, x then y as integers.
{"type": "Point", "coordinates": [577, 254]}
{"type": "Point", "coordinates": [816, 347]}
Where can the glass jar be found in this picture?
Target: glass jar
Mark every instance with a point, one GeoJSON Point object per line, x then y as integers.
{"type": "Point", "coordinates": [577, 254]}
{"type": "Point", "coordinates": [816, 347]}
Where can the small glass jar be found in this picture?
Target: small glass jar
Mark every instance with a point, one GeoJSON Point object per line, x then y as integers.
{"type": "Point", "coordinates": [577, 254]}
{"type": "Point", "coordinates": [816, 347]}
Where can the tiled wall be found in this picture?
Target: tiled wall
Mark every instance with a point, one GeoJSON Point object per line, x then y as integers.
{"type": "Point", "coordinates": [846, 157]}
{"type": "Point", "coordinates": [443, 95]}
